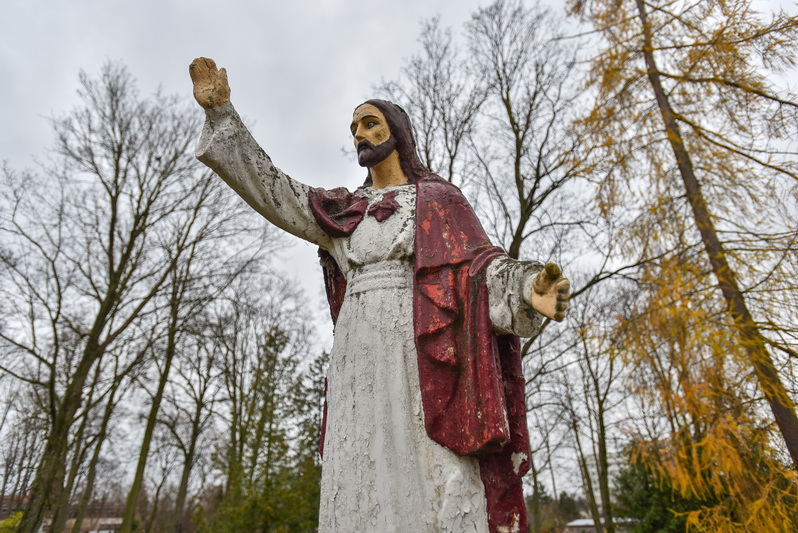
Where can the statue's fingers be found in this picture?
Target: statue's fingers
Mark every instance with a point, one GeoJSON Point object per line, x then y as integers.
{"type": "Point", "coordinates": [209, 64]}
{"type": "Point", "coordinates": [202, 69]}
{"type": "Point", "coordinates": [546, 277]}
{"type": "Point", "coordinates": [221, 82]}
{"type": "Point", "coordinates": [561, 306]}
{"type": "Point", "coordinates": [194, 70]}
{"type": "Point", "coordinates": [200, 75]}
{"type": "Point", "coordinates": [559, 317]}
{"type": "Point", "coordinates": [553, 271]}
{"type": "Point", "coordinates": [541, 283]}
{"type": "Point", "coordinates": [564, 286]}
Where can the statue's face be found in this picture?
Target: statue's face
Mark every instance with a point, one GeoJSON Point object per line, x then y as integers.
{"type": "Point", "coordinates": [372, 136]}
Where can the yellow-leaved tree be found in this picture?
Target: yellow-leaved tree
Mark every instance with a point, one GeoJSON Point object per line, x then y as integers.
{"type": "Point", "coordinates": [702, 433]}
{"type": "Point", "coordinates": [695, 140]}
{"type": "Point", "coordinates": [693, 127]}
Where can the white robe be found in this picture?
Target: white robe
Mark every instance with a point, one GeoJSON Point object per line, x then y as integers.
{"type": "Point", "coordinates": [380, 471]}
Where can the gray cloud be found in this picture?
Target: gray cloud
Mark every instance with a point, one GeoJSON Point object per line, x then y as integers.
{"type": "Point", "coordinates": [297, 70]}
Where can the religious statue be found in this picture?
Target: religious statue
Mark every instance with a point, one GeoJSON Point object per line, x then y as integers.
{"type": "Point", "coordinates": [425, 420]}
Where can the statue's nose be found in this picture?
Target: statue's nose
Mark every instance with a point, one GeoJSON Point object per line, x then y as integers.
{"type": "Point", "coordinates": [359, 135]}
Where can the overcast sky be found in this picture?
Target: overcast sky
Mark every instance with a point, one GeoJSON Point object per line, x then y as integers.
{"type": "Point", "coordinates": [297, 69]}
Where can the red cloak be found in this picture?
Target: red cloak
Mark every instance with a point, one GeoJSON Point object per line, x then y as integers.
{"type": "Point", "coordinates": [472, 383]}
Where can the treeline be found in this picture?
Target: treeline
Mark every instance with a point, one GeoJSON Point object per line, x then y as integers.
{"type": "Point", "coordinates": [647, 146]}
{"type": "Point", "coordinates": [154, 364]}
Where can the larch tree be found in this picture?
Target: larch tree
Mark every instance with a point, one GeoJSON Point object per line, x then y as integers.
{"type": "Point", "coordinates": [692, 125]}
{"type": "Point", "coordinates": [703, 438]}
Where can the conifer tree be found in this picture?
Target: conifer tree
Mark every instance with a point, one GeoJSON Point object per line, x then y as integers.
{"type": "Point", "coordinates": [695, 139]}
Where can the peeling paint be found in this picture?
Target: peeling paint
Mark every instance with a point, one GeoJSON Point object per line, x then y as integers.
{"type": "Point", "coordinates": [512, 527]}
{"type": "Point", "coordinates": [517, 459]}
{"type": "Point", "coordinates": [390, 475]}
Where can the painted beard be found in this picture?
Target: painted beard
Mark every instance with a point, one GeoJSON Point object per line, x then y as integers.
{"type": "Point", "coordinates": [369, 155]}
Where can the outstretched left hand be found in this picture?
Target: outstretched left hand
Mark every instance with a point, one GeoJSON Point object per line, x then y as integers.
{"type": "Point", "coordinates": [550, 292]}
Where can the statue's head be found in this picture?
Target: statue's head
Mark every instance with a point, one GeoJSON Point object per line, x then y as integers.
{"type": "Point", "coordinates": [380, 127]}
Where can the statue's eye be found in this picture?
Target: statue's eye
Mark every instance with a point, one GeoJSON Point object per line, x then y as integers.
{"type": "Point", "coordinates": [370, 124]}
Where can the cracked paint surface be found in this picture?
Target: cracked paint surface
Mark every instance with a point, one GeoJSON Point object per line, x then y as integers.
{"type": "Point", "coordinates": [383, 470]}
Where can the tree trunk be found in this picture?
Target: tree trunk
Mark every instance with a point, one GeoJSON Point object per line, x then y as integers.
{"type": "Point", "coordinates": [751, 338]}
{"type": "Point", "coordinates": [155, 504]}
{"type": "Point", "coordinates": [535, 526]}
{"type": "Point", "coordinates": [60, 514]}
{"type": "Point", "coordinates": [4, 486]}
{"type": "Point", "coordinates": [602, 467]}
{"type": "Point", "coordinates": [92, 473]}
{"type": "Point", "coordinates": [180, 499]}
{"type": "Point", "coordinates": [591, 497]}
{"type": "Point", "coordinates": [20, 488]}
{"type": "Point", "coordinates": [48, 485]}
{"type": "Point", "coordinates": [129, 513]}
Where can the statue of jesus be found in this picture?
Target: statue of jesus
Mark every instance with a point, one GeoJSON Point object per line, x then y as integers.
{"type": "Point", "coordinates": [425, 418]}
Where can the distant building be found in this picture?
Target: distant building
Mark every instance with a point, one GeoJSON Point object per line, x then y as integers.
{"type": "Point", "coordinates": [586, 525]}
{"type": "Point", "coordinates": [97, 525]}
{"type": "Point", "coordinates": [90, 524]}
{"type": "Point", "coordinates": [10, 504]}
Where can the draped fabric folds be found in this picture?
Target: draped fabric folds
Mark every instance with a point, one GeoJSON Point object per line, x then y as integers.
{"type": "Point", "coordinates": [472, 384]}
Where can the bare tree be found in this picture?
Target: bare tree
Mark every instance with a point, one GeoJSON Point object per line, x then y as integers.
{"type": "Point", "coordinates": [514, 94]}
{"type": "Point", "coordinates": [23, 430]}
{"type": "Point", "coordinates": [189, 412]}
{"type": "Point", "coordinates": [526, 158]}
{"type": "Point", "coordinates": [595, 392]}
{"type": "Point", "coordinates": [443, 93]}
{"type": "Point", "coordinates": [262, 338]}
{"type": "Point", "coordinates": [121, 379]}
{"type": "Point", "coordinates": [92, 240]}
{"type": "Point", "coordinates": [208, 266]}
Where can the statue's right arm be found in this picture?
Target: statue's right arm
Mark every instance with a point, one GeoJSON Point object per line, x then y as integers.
{"type": "Point", "coordinates": [227, 147]}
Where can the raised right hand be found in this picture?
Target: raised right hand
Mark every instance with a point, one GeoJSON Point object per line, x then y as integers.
{"type": "Point", "coordinates": [210, 84]}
